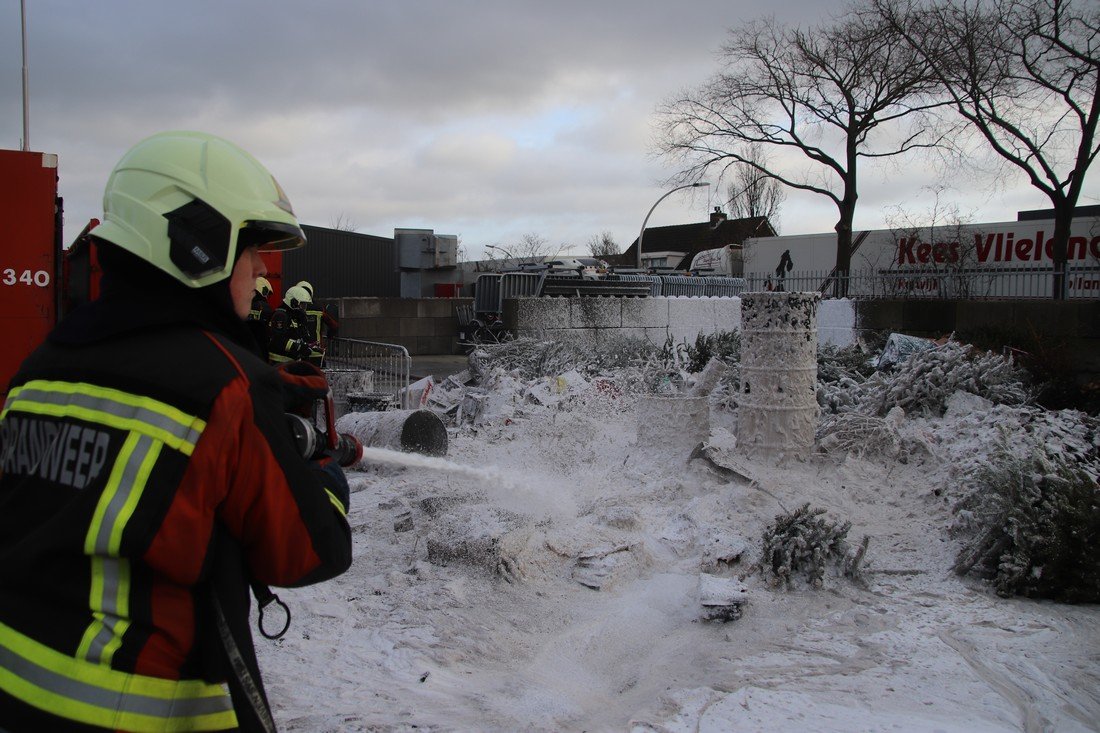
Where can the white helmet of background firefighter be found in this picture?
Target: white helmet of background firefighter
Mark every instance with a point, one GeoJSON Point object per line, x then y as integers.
{"type": "Point", "coordinates": [308, 288]}
{"type": "Point", "coordinates": [297, 297]}
{"type": "Point", "coordinates": [263, 287]}
{"type": "Point", "coordinates": [188, 202]}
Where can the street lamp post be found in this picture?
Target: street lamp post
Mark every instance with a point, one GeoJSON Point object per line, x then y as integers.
{"type": "Point", "coordinates": [641, 234]}
{"type": "Point", "coordinates": [507, 255]}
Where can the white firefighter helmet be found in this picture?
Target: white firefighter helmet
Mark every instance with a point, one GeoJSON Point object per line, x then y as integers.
{"type": "Point", "coordinates": [297, 297]}
{"type": "Point", "coordinates": [263, 287]}
{"type": "Point", "coordinates": [188, 202]}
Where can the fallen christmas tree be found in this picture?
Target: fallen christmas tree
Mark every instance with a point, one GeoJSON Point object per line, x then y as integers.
{"type": "Point", "coordinates": [804, 544]}
{"type": "Point", "coordinates": [1033, 527]}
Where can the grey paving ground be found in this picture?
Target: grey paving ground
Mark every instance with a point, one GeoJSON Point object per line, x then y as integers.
{"type": "Point", "coordinates": [439, 366]}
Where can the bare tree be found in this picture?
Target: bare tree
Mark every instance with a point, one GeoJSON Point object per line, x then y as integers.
{"type": "Point", "coordinates": [752, 193]}
{"type": "Point", "coordinates": [603, 245]}
{"type": "Point", "coordinates": [1026, 75]}
{"type": "Point", "coordinates": [817, 96]}
{"type": "Point", "coordinates": [953, 271]}
{"type": "Point", "coordinates": [533, 248]}
{"type": "Point", "coordinates": [343, 223]}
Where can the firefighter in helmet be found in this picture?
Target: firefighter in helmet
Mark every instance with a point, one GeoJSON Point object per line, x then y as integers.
{"type": "Point", "coordinates": [259, 315]}
{"type": "Point", "coordinates": [149, 475]}
{"type": "Point", "coordinates": [291, 337]}
{"type": "Point", "coordinates": [305, 285]}
{"type": "Point", "coordinates": [320, 323]}
{"type": "Point", "coordinates": [262, 290]}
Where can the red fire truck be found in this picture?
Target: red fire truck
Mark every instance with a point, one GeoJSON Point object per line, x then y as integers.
{"type": "Point", "coordinates": [30, 266]}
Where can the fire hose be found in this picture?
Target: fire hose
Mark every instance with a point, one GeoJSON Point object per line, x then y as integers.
{"type": "Point", "coordinates": [314, 443]}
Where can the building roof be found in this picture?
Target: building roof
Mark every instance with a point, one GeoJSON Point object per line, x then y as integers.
{"type": "Point", "coordinates": [694, 238]}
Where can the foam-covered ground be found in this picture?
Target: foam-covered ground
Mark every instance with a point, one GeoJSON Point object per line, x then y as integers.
{"type": "Point", "coordinates": [553, 586]}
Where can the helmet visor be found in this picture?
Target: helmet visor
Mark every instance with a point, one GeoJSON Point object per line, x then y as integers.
{"type": "Point", "coordinates": [270, 236]}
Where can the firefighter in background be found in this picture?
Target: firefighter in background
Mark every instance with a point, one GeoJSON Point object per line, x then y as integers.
{"type": "Point", "coordinates": [259, 315]}
{"type": "Point", "coordinates": [322, 325]}
{"type": "Point", "coordinates": [307, 286]}
{"type": "Point", "coordinates": [260, 307]}
{"type": "Point", "coordinates": [291, 338]}
{"type": "Point", "coordinates": [148, 474]}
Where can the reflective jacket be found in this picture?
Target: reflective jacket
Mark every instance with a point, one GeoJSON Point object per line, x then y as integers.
{"type": "Point", "coordinates": [291, 338]}
{"type": "Point", "coordinates": [322, 325]}
{"type": "Point", "coordinates": [123, 461]}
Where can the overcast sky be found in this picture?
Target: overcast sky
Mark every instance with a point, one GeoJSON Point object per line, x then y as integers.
{"type": "Point", "coordinates": [486, 119]}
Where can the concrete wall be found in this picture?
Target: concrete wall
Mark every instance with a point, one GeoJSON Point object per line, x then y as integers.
{"type": "Point", "coordinates": [836, 323]}
{"type": "Point", "coordinates": [421, 325]}
{"type": "Point", "coordinates": [1068, 330]}
{"type": "Point", "coordinates": [1066, 333]}
{"type": "Point", "coordinates": [654, 319]}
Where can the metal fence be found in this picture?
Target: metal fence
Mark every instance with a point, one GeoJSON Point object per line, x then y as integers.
{"type": "Point", "coordinates": [683, 285]}
{"type": "Point", "coordinates": [653, 280]}
{"type": "Point", "coordinates": [1081, 283]}
{"type": "Point", "coordinates": [384, 367]}
{"type": "Point", "coordinates": [688, 286]}
{"type": "Point", "coordinates": [492, 289]}
{"type": "Point", "coordinates": [724, 287]}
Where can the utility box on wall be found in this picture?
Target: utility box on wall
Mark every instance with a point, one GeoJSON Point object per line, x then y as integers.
{"type": "Point", "coordinates": [422, 249]}
{"type": "Point", "coordinates": [425, 259]}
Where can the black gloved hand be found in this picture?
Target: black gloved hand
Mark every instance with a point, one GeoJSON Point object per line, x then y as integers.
{"type": "Point", "coordinates": [300, 350]}
{"type": "Point", "coordinates": [303, 385]}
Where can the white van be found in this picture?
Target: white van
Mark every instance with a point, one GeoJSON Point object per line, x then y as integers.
{"type": "Point", "coordinates": [724, 261]}
{"type": "Point", "coordinates": [589, 268]}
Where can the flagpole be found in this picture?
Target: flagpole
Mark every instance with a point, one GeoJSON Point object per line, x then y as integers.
{"type": "Point", "coordinates": [26, 84]}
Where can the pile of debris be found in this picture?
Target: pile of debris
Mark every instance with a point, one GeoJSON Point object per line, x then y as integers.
{"type": "Point", "coordinates": [922, 382]}
{"type": "Point", "coordinates": [512, 379]}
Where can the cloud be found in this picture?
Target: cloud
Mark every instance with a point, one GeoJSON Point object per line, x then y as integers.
{"type": "Point", "coordinates": [487, 118]}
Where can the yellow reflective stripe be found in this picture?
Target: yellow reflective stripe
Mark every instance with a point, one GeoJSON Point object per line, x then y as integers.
{"type": "Point", "coordinates": [176, 415]}
{"type": "Point", "coordinates": [315, 320]}
{"type": "Point", "coordinates": [110, 407]}
{"type": "Point", "coordinates": [104, 418]}
{"type": "Point", "coordinates": [109, 600]}
{"type": "Point", "coordinates": [116, 631]}
{"type": "Point", "coordinates": [95, 591]}
{"type": "Point", "coordinates": [102, 639]}
{"type": "Point", "coordinates": [337, 503]}
{"type": "Point", "coordinates": [109, 592]}
{"type": "Point", "coordinates": [132, 497]}
{"type": "Point", "coordinates": [90, 634]}
{"type": "Point", "coordinates": [96, 695]}
{"type": "Point", "coordinates": [114, 481]}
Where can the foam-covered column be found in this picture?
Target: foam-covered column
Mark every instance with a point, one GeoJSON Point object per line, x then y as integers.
{"type": "Point", "coordinates": [777, 412]}
{"type": "Point", "coordinates": [411, 431]}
